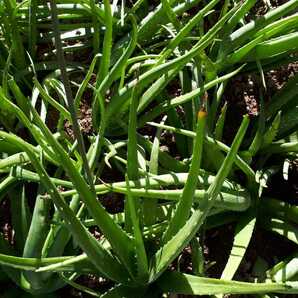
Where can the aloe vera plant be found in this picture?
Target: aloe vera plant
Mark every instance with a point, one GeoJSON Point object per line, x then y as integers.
{"type": "Point", "coordinates": [168, 201]}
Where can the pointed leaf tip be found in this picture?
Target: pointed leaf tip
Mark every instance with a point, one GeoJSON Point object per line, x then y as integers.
{"type": "Point", "coordinates": [202, 113]}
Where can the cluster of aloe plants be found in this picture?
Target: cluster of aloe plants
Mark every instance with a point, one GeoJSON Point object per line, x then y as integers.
{"type": "Point", "coordinates": [55, 54]}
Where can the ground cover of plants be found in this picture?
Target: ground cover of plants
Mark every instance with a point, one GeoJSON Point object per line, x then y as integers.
{"type": "Point", "coordinates": [148, 148]}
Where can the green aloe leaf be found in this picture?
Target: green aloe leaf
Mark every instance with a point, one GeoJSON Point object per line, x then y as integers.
{"type": "Point", "coordinates": [192, 285]}
{"type": "Point", "coordinates": [186, 201]}
{"type": "Point", "coordinates": [243, 234]}
{"type": "Point", "coordinates": [34, 264]}
{"type": "Point", "coordinates": [165, 106]}
{"type": "Point", "coordinates": [132, 209]}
